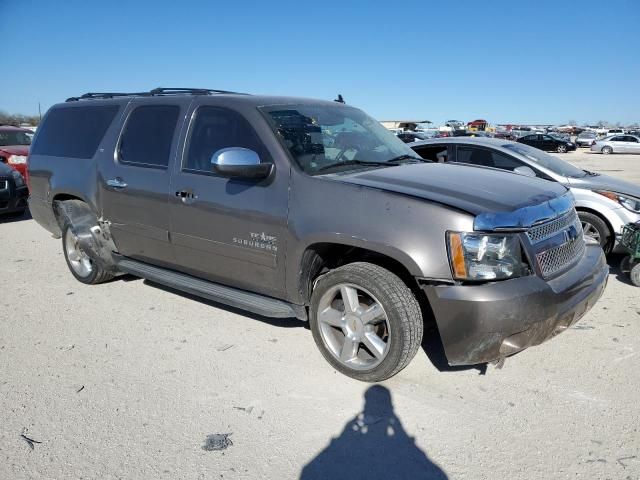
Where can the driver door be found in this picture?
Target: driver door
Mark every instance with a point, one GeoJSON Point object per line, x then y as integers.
{"type": "Point", "coordinates": [228, 230]}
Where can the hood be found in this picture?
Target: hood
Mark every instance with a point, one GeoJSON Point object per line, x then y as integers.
{"type": "Point", "coordinates": [605, 182]}
{"type": "Point", "coordinates": [475, 190]}
{"type": "Point", "coordinates": [15, 149]}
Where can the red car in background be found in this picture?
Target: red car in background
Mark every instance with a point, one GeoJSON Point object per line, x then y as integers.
{"type": "Point", "coordinates": [14, 147]}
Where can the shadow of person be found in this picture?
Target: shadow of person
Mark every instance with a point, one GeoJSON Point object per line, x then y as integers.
{"type": "Point", "coordinates": [373, 445]}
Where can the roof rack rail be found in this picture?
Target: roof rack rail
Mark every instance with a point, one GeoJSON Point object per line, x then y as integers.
{"type": "Point", "coordinates": [160, 91]}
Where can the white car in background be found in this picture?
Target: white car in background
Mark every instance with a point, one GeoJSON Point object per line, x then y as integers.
{"type": "Point", "coordinates": [617, 144]}
{"type": "Point", "coordinates": [604, 204]}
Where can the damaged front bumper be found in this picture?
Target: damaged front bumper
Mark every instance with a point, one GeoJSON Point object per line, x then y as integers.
{"type": "Point", "coordinates": [488, 322]}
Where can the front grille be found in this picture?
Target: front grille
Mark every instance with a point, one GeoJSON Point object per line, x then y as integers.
{"type": "Point", "coordinates": [4, 184]}
{"type": "Point", "coordinates": [556, 259]}
{"type": "Point", "coordinates": [547, 230]}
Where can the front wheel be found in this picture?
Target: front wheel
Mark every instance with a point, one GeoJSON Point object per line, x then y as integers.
{"type": "Point", "coordinates": [562, 149]}
{"type": "Point", "coordinates": [366, 322]}
{"type": "Point", "coordinates": [81, 265]}
{"type": "Point", "coordinates": [607, 150]}
{"type": "Point", "coordinates": [593, 226]}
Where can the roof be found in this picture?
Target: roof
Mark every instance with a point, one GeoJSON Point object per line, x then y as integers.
{"type": "Point", "coordinates": [160, 93]}
{"type": "Point", "coordinates": [486, 141]}
{"type": "Point", "coordinates": [11, 128]}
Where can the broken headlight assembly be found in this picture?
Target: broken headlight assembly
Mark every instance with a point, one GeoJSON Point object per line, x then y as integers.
{"type": "Point", "coordinates": [485, 257]}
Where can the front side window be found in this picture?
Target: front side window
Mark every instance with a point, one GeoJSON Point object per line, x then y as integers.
{"type": "Point", "coordinates": [215, 128]}
{"type": "Point", "coordinates": [327, 138]}
{"type": "Point", "coordinates": [14, 138]}
{"type": "Point", "coordinates": [148, 135]}
{"type": "Point", "coordinates": [617, 139]}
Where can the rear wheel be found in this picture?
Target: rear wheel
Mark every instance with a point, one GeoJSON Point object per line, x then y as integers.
{"type": "Point", "coordinates": [607, 150]}
{"type": "Point", "coordinates": [81, 265]}
{"type": "Point", "coordinates": [562, 149]}
{"type": "Point", "coordinates": [366, 322]}
{"type": "Point", "coordinates": [593, 226]}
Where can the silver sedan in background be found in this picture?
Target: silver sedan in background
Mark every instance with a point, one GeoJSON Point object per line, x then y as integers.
{"type": "Point", "coordinates": [604, 204]}
{"type": "Point", "coordinates": [617, 144]}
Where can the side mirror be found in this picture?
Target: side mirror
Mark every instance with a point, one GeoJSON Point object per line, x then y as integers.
{"type": "Point", "coordinates": [524, 170]}
{"type": "Point", "coordinates": [237, 162]}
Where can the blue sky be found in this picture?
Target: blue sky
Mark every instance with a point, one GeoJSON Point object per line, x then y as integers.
{"type": "Point", "coordinates": [506, 61]}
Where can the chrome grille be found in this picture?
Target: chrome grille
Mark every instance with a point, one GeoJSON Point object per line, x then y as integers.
{"type": "Point", "coordinates": [557, 258]}
{"type": "Point", "coordinates": [4, 184]}
{"type": "Point", "coordinates": [547, 230]}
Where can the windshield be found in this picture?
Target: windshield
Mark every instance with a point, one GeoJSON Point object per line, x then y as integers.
{"type": "Point", "coordinates": [322, 136]}
{"type": "Point", "coordinates": [545, 160]}
{"type": "Point", "coordinates": [14, 138]}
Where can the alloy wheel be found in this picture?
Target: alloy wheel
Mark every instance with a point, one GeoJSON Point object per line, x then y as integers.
{"type": "Point", "coordinates": [78, 259]}
{"type": "Point", "coordinates": [354, 326]}
{"type": "Point", "coordinates": [591, 231]}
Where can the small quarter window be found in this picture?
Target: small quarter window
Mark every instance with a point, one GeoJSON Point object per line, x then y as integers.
{"type": "Point", "coordinates": [148, 135]}
{"type": "Point", "coordinates": [74, 132]}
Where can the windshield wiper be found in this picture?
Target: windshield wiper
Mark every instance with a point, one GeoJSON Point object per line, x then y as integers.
{"type": "Point", "coordinates": [403, 158]}
{"type": "Point", "coordinates": [591, 174]}
{"type": "Point", "coordinates": [351, 162]}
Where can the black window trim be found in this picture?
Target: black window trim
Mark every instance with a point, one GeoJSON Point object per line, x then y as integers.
{"type": "Point", "coordinates": [116, 153]}
{"type": "Point", "coordinates": [539, 173]}
{"type": "Point", "coordinates": [187, 141]}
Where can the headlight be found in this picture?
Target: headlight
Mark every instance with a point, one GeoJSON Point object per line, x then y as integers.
{"type": "Point", "coordinates": [17, 159]}
{"type": "Point", "coordinates": [478, 256]}
{"type": "Point", "coordinates": [17, 179]}
{"type": "Point", "coordinates": [627, 201]}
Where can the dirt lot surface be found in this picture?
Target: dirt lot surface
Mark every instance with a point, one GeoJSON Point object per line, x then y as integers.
{"type": "Point", "coordinates": [128, 380]}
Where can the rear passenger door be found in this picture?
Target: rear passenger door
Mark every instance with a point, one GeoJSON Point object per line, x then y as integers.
{"type": "Point", "coordinates": [135, 181]}
{"type": "Point", "coordinates": [229, 230]}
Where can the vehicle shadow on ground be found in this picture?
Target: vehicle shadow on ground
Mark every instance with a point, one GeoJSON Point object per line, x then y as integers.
{"type": "Point", "coordinates": [373, 445]}
{"type": "Point", "coordinates": [276, 322]}
{"type": "Point", "coordinates": [14, 217]}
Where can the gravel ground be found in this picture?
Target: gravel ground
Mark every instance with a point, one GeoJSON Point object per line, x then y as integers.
{"type": "Point", "coordinates": [129, 380]}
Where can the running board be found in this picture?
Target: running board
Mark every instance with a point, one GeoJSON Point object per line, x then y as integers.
{"type": "Point", "coordinates": [253, 302]}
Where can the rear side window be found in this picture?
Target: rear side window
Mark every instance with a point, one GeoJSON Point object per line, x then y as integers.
{"type": "Point", "coordinates": [486, 158]}
{"type": "Point", "coordinates": [74, 132]}
{"type": "Point", "coordinates": [215, 128]}
{"type": "Point", "coordinates": [148, 135]}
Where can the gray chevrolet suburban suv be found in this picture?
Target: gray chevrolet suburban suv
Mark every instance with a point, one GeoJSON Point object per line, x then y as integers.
{"type": "Point", "coordinates": [291, 207]}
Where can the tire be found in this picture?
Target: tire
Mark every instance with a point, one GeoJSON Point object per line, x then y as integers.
{"type": "Point", "coordinates": [337, 325]}
{"type": "Point", "coordinates": [561, 149]}
{"type": "Point", "coordinates": [596, 227]}
{"type": "Point", "coordinates": [634, 275]}
{"type": "Point", "coordinates": [81, 266]}
{"type": "Point", "coordinates": [606, 150]}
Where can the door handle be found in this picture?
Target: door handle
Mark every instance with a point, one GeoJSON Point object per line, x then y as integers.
{"type": "Point", "coordinates": [116, 183]}
{"type": "Point", "coordinates": [186, 196]}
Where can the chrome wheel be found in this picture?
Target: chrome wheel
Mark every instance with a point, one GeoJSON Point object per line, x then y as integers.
{"type": "Point", "coordinates": [79, 260]}
{"type": "Point", "coordinates": [354, 326]}
{"type": "Point", "coordinates": [591, 231]}
{"type": "Point", "coordinates": [607, 150]}
{"type": "Point", "coordinates": [562, 149]}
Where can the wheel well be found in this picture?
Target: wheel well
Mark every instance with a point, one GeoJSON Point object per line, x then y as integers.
{"type": "Point", "coordinates": [61, 197]}
{"type": "Point", "coordinates": [322, 257]}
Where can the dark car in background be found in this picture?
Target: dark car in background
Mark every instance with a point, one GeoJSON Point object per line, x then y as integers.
{"type": "Point", "coordinates": [547, 143]}
{"type": "Point", "coordinates": [13, 191]}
